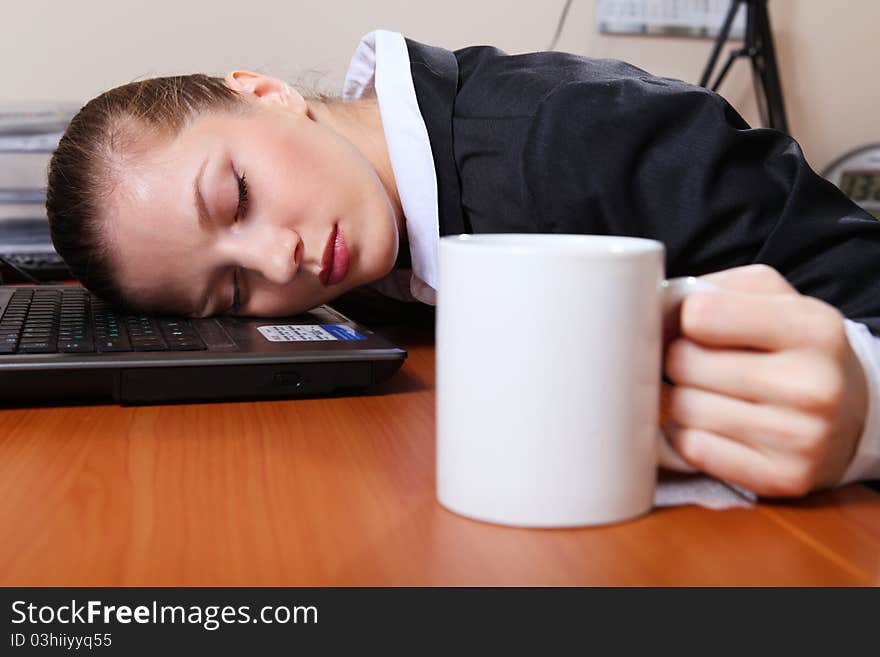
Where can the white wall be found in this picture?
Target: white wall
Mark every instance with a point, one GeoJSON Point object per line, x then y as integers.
{"type": "Point", "coordinates": [52, 49]}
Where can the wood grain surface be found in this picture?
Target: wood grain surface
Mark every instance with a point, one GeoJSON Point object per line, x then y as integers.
{"type": "Point", "coordinates": [340, 492]}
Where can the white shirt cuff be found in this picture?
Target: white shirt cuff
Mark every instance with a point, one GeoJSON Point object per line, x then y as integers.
{"type": "Point", "coordinates": [866, 461]}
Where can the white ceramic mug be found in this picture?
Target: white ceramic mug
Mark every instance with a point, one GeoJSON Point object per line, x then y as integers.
{"type": "Point", "coordinates": [548, 376]}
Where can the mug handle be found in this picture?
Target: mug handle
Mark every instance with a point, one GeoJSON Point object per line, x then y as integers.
{"type": "Point", "coordinates": [673, 293]}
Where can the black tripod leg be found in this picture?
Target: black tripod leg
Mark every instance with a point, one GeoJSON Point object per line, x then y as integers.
{"type": "Point", "coordinates": [776, 117]}
{"type": "Point", "coordinates": [719, 42]}
{"type": "Point", "coordinates": [753, 41]}
{"type": "Point", "coordinates": [734, 55]}
{"type": "Point", "coordinates": [759, 84]}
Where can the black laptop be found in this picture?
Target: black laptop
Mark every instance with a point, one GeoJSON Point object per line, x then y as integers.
{"type": "Point", "coordinates": [60, 342]}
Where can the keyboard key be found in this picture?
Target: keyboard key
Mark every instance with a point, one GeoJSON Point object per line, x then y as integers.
{"type": "Point", "coordinates": [149, 346]}
{"type": "Point", "coordinates": [185, 346]}
{"type": "Point", "coordinates": [37, 347]}
{"type": "Point", "coordinates": [111, 345]}
{"type": "Point", "coordinates": [75, 346]}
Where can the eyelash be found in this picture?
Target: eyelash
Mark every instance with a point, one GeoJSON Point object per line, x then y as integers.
{"type": "Point", "coordinates": [242, 196]}
{"type": "Point", "coordinates": [239, 213]}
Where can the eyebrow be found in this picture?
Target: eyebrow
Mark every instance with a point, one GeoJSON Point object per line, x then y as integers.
{"type": "Point", "coordinates": [201, 206]}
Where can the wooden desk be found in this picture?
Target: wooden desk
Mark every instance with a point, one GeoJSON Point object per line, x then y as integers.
{"type": "Point", "coordinates": [341, 492]}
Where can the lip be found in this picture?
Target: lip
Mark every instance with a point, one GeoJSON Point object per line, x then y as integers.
{"type": "Point", "coordinates": [334, 263]}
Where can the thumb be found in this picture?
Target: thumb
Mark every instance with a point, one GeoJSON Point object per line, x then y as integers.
{"type": "Point", "coordinates": [758, 278]}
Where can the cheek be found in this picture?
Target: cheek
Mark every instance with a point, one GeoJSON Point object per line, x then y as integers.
{"type": "Point", "coordinates": [287, 178]}
{"type": "Point", "coordinates": [330, 170]}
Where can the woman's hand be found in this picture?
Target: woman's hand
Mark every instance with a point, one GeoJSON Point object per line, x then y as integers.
{"type": "Point", "coordinates": [768, 393]}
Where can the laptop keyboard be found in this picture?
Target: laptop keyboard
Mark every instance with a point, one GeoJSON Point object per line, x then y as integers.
{"type": "Point", "coordinates": [75, 321]}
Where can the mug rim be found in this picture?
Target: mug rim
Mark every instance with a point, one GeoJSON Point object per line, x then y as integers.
{"type": "Point", "coordinates": [556, 243]}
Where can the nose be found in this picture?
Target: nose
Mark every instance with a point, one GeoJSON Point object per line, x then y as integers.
{"type": "Point", "coordinates": [273, 251]}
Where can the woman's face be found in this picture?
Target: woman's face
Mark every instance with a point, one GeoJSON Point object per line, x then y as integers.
{"type": "Point", "coordinates": [270, 202]}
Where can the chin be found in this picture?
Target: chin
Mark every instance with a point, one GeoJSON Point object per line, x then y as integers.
{"type": "Point", "coordinates": [381, 263]}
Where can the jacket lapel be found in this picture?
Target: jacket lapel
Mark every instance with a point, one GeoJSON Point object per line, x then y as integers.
{"type": "Point", "coordinates": [435, 77]}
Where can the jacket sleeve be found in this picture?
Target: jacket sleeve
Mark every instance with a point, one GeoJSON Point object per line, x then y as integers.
{"type": "Point", "coordinates": [659, 158]}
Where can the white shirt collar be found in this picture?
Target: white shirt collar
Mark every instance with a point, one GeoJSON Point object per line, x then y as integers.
{"type": "Point", "coordinates": [380, 67]}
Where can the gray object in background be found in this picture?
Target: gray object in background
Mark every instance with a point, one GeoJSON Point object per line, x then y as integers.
{"type": "Point", "coordinates": [29, 133]}
{"type": "Point", "coordinates": [684, 18]}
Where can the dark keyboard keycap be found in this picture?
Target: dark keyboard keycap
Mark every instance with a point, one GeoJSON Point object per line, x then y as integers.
{"type": "Point", "coordinates": [150, 346]}
{"type": "Point", "coordinates": [75, 346]}
{"type": "Point", "coordinates": [37, 347]}
{"type": "Point", "coordinates": [112, 344]}
{"type": "Point", "coordinates": [186, 346]}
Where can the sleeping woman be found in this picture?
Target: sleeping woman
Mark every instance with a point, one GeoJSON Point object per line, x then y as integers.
{"type": "Point", "coordinates": [198, 195]}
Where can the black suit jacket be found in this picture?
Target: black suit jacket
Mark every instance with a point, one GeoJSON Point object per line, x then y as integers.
{"type": "Point", "coordinates": [556, 143]}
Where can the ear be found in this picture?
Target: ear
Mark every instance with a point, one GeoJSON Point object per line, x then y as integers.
{"type": "Point", "coordinates": [266, 89]}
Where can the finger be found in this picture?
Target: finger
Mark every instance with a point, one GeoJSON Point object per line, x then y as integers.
{"type": "Point", "coordinates": [751, 278]}
{"type": "Point", "coordinates": [668, 458]}
{"type": "Point", "coordinates": [798, 379]}
{"type": "Point", "coordinates": [733, 319]}
{"type": "Point", "coordinates": [764, 428]}
{"type": "Point", "coordinates": [731, 461]}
